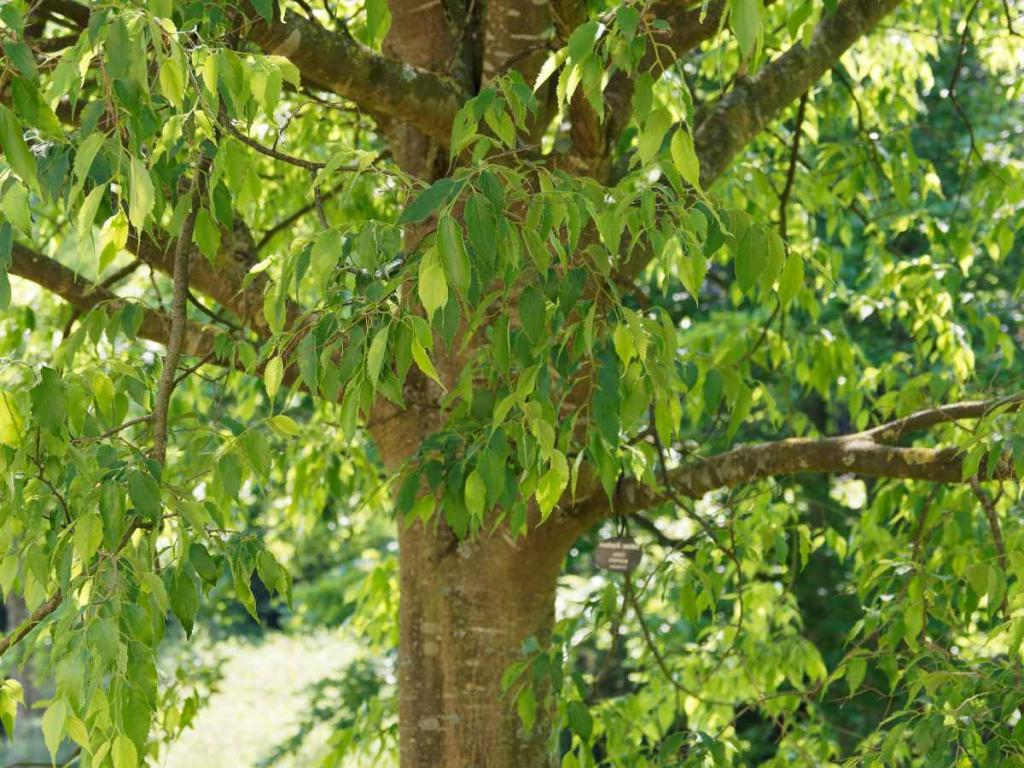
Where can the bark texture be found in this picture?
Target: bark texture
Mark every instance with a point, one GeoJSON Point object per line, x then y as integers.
{"type": "Point", "coordinates": [466, 609]}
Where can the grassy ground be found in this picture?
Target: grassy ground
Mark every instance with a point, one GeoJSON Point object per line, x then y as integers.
{"type": "Point", "coordinates": [259, 702]}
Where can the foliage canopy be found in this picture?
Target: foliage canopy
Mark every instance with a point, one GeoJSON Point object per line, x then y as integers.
{"type": "Point", "coordinates": [741, 277]}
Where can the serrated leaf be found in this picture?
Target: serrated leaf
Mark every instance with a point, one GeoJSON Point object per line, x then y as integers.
{"type": "Point", "coordinates": [792, 279]}
{"type": "Point", "coordinates": [53, 726]}
{"type": "Point", "coordinates": [206, 234]}
{"type": "Point", "coordinates": [284, 425]}
{"type": "Point", "coordinates": [746, 23]}
{"type": "Point", "coordinates": [375, 355]}
{"type": "Point", "coordinates": [552, 484]}
{"type": "Point", "coordinates": [684, 157]}
{"type": "Point", "coordinates": [432, 285]}
{"type": "Point", "coordinates": [526, 706]}
{"type": "Point", "coordinates": [475, 494]}
{"type": "Point", "coordinates": [123, 752]}
{"type": "Point", "coordinates": [144, 493]}
{"type": "Point", "coordinates": [16, 151]}
{"type": "Point", "coordinates": [140, 198]}
{"type": "Point", "coordinates": [453, 253]}
{"type": "Point", "coordinates": [273, 375]}
{"type": "Point", "coordinates": [750, 259]}
{"type": "Point", "coordinates": [430, 200]}
{"type": "Point", "coordinates": [419, 355]}
{"type": "Point", "coordinates": [88, 535]}
{"type": "Point", "coordinates": [855, 671]}
{"type": "Point", "coordinates": [580, 719]}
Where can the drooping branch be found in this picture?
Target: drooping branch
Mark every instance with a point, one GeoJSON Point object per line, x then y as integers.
{"type": "Point", "coordinates": [863, 453]}
{"type": "Point", "coordinates": [83, 296]}
{"type": "Point", "coordinates": [335, 61]}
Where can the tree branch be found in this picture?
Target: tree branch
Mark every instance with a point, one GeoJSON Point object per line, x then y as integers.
{"type": "Point", "coordinates": [862, 453]}
{"type": "Point", "coordinates": [727, 126]}
{"type": "Point", "coordinates": [40, 613]}
{"type": "Point", "coordinates": [335, 61]}
{"type": "Point", "coordinates": [732, 122]}
{"type": "Point", "coordinates": [83, 296]}
{"type": "Point", "coordinates": [179, 322]}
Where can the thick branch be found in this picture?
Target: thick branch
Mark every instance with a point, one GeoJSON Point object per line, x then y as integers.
{"type": "Point", "coordinates": [335, 61]}
{"type": "Point", "coordinates": [744, 112]}
{"type": "Point", "coordinates": [83, 296]}
{"type": "Point", "coordinates": [862, 453]}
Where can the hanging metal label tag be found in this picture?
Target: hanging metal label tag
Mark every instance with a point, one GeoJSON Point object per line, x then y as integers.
{"type": "Point", "coordinates": [621, 554]}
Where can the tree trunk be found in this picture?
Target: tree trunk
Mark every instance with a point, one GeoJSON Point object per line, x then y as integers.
{"type": "Point", "coordinates": [465, 610]}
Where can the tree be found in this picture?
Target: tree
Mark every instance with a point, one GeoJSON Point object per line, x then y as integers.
{"type": "Point", "coordinates": [565, 265]}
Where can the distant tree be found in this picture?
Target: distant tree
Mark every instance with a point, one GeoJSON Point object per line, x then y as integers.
{"type": "Point", "coordinates": [522, 276]}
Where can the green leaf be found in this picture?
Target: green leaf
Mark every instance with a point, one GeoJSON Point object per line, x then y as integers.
{"type": "Point", "coordinates": [430, 200]}
{"type": "Point", "coordinates": [140, 199]}
{"type": "Point", "coordinates": [375, 355]}
{"type": "Point", "coordinates": [284, 425]}
{"type": "Point", "coordinates": [53, 726]}
{"type": "Point", "coordinates": [684, 156]}
{"type": "Point", "coordinates": [273, 375]}
{"type": "Point", "coordinates": [580, 720]}
{"type": "Point", "coordinates": [206, 234]}
{"type": "Point", "coordinates": [144, 493]}
{"type": "Point", "coordinates": [432, 285]}
{"type": "Point", "coordinates": [264, 8]}
{"type": "Point", "coordinates": [552, 484]}
{"type": "Point", "coordinates": [378, 21]}
{"type": "Point", "coordinates": [419, 355]}
{"type": "Point", "coordinates": [88, 535]}
{"type": "Point", "coordinates": [526, 706]}
{"type": "Point", "coordinates": [583, 39]}
{"type": "Point", "coordinates": [746, 23]}
{"type": "Point", "coordinates": [792, 279]}
{"type": "Point", "coordinates": [16, 151]}
{"type": "Point", "coordinates": [48, 400]}
{"type": "Point", "coordinates": [653, 134]}
{"type": "Point", "coordinates": [750, 259]}
{"type": "Point", "coordinates": [184, 599]}
{"type": "Point", "coordinates": [123, 752]}
{"type": "Point", "coordinates": [476, 494]}
{"type": "Point", "coordinates": [172, 80]}
{"type": "Point", "coordinates": [453, 253]}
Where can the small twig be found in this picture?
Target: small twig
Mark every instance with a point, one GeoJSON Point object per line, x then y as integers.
{"type": "Point", "coordinates": [193, 368]}
{"type": "Point", "coordinates": [318, 198]}
{"type": "Point", "coordinates": [115, 430]}
{"type": "Point", "coordinates": [1009, 19]}
{"type": "Point", "coordinates": [219, 317]}
{"type": "Point", "coordinates": [178, 321]}
{"type": "Point", "coordinates": [794, 156]}
{"type": "Point", "coordinates": [309, 165]}
{"type": "Point", "coordinates": [997, 532]}
{"type": "Point", "coordinates": [105, 284]}
{"type": "Point", "coordinates": [763, 336]}
{"type": "Point", "coordinates": [291, 218]}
